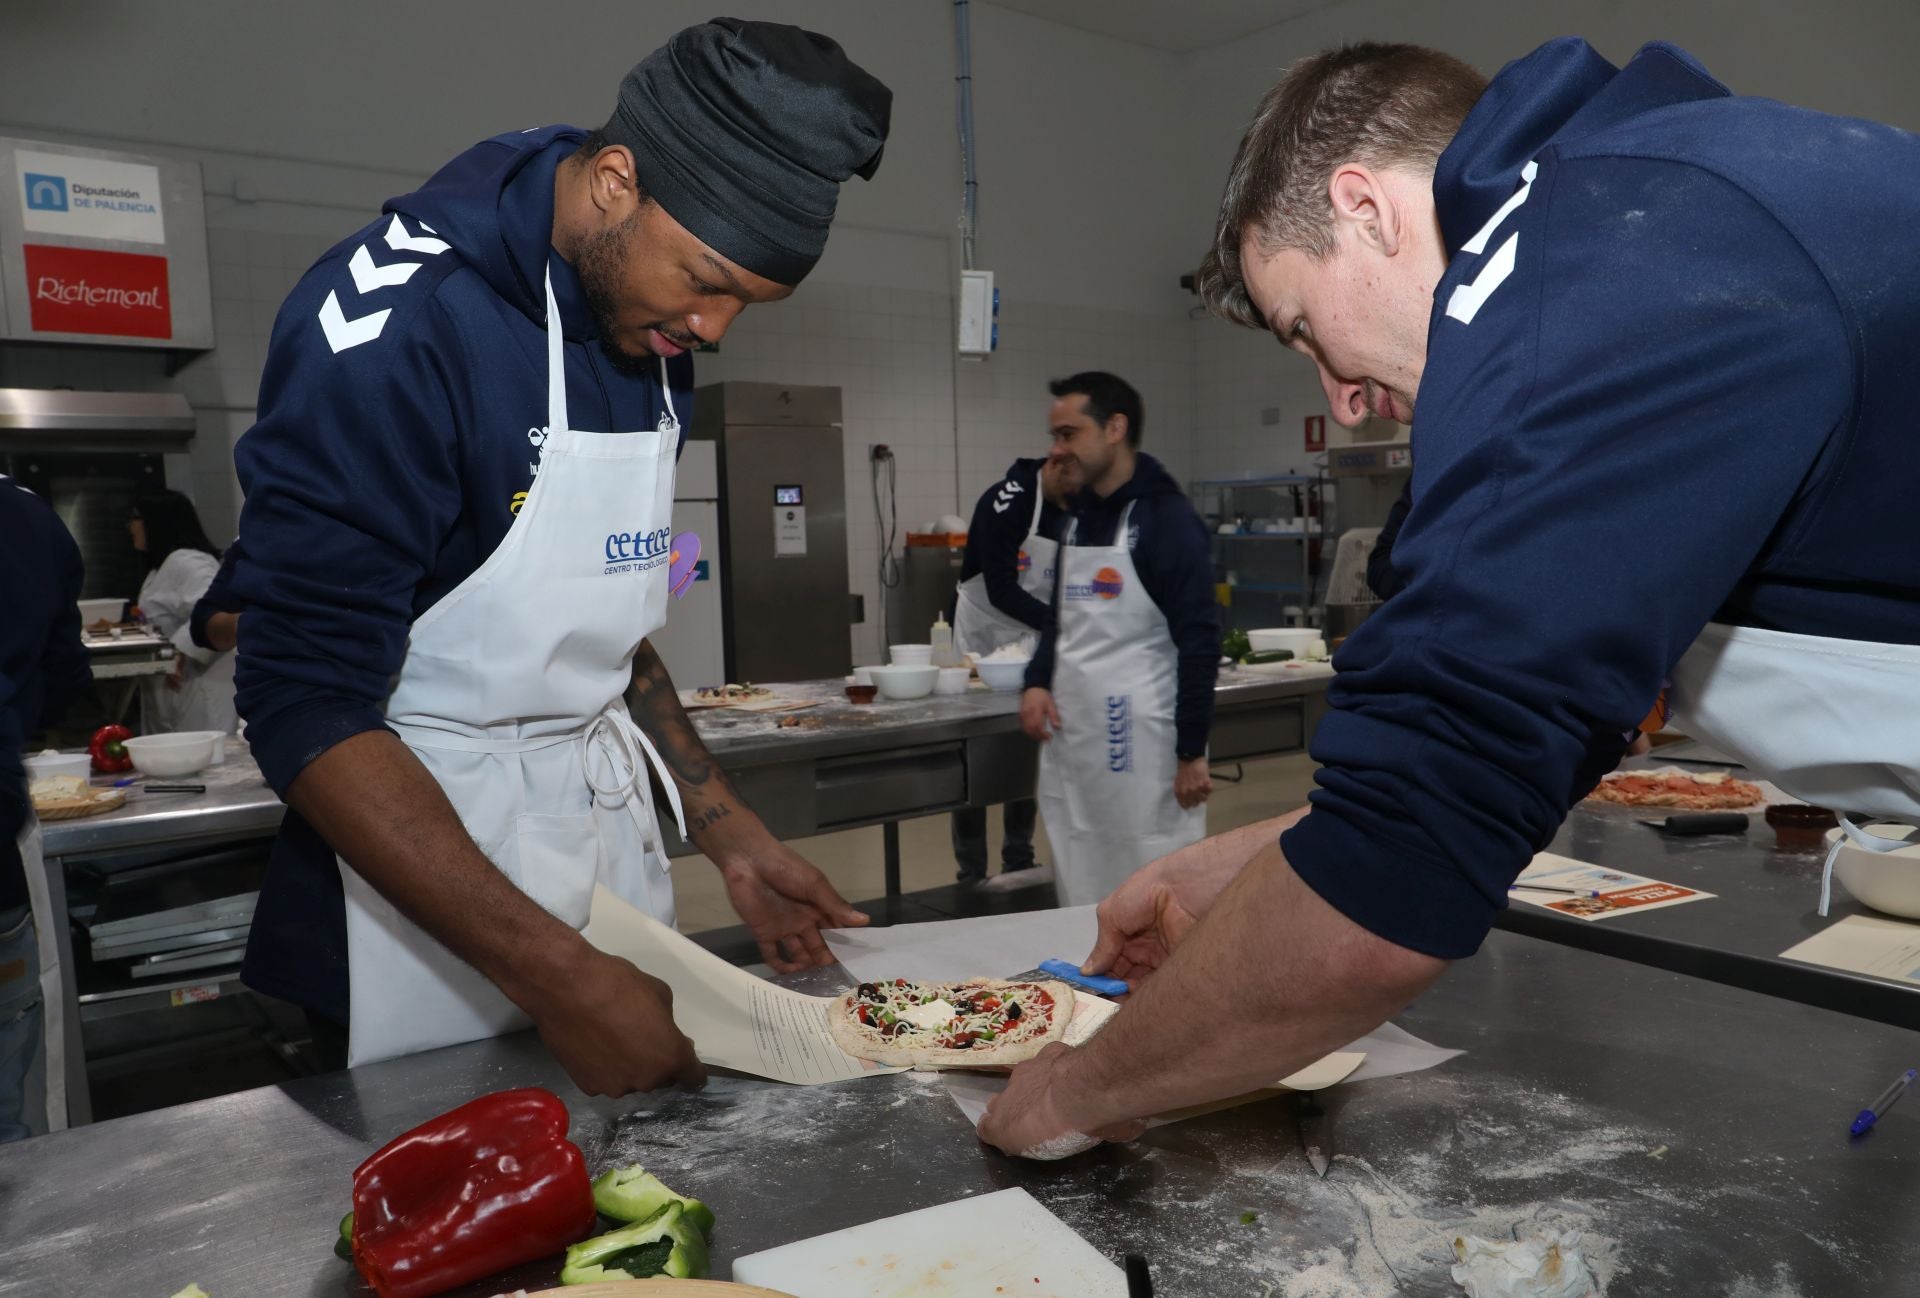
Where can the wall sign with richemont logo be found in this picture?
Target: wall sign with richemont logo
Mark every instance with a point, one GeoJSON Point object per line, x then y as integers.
{"type": "Point", "coordinates": [98, 246]}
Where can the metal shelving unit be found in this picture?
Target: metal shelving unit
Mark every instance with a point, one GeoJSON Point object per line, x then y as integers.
{"type": "Point", "coordinates": [1260, 574]}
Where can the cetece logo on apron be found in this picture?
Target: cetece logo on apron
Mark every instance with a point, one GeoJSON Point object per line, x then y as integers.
{"type": "Point", "coordinates": [1106, 584]}
{"type": "Point", "coordinates": [1119, 733]}
{"type": "Point", "coordinates": [637, 551]}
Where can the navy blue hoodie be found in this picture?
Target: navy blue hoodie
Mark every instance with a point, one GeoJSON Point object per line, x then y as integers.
{"type": "Point", "coordinates": [43, 665]}
{"type": "Point", "coordinates": [1001, 519]}
{"type": "Point", "coordinates": [401, 411]}
{"type": "Point", "coordinates": [1174, 557]}
{"type": "Point", "coordinates": [1670, 379]}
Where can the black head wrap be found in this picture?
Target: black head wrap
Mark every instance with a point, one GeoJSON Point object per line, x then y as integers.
{"type": "Point", "coordinates": [743, 132]}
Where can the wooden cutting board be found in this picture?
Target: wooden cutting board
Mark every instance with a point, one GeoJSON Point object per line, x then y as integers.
{"type": "Point", "coordinates": [937, 1253]}
{"type": "Point", "coordinates": [659, 1288]}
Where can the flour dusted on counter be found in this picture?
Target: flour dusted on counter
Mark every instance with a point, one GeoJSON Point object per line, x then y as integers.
{"type": "Point", "coordinates": [1546, 1265]}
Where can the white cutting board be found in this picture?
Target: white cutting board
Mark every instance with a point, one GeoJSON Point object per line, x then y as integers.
{"type": "Point", "coordinates": [957, 1250]}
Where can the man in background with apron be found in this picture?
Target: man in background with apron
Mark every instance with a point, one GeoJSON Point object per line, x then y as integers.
{"type": "Point", "coordinates": [43, 666]}
{"type": "Point", "coordinates": [1120, 690]}
{"type": "Point", "coordinates": [1006, 580]}
{"type": "Point", "coordinates": [1662, 341]}
{"type": "Point", "coordinates": [458, 536]}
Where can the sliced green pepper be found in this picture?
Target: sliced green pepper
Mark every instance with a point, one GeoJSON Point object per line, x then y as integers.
{"type": "Point", "coordinates": [343, 1247]}
{"type": "Point", "coordinates": [665, 1244]}
{"type": "Point", "coordinates": [633, 1194]}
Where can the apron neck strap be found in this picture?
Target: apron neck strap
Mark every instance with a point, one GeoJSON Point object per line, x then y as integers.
{"type": "Point", "coordinates": [556, 365]}
{"type": "Point", "coordinates": [557, 372]}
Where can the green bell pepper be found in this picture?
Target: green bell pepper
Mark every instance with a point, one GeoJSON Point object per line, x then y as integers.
{"type": "Point", "coordinates": [665, 1244]}
{"type": "Point", "coordinates": [634, 1194]}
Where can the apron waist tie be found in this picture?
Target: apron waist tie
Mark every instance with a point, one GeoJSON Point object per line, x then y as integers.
{"type": "Point", "coordinates": [615, 733]}
{"type": "Point", "coordinates": [1852, 833]}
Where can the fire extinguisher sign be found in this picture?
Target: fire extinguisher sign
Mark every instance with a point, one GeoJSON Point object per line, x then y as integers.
{"type": "Point", "coordinates": [1316, 432]}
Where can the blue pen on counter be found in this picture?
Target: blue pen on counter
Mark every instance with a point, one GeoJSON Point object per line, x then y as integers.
{"type": "Point", "coordinates": [1541, 887]}
{"type": "Point", "coordinates": [1070, 973]}
{"type": "Point", "coordinates": [1878, 1109]}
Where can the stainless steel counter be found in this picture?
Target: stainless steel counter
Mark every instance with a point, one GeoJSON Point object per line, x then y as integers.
{"type": "Point", "coordinates": [238, 803]}
{"type": "Point", "coordinates": [1696, 1133]}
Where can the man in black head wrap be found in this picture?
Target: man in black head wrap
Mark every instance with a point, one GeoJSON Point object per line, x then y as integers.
{"type": "Point", "coordinates": [438, 659]}
{"type": "Point", "coordinates": [712, 185]}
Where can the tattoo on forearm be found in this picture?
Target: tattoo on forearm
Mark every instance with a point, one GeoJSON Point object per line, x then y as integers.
{"type": "Point", "coordinates": [707, 819]}
{"type": "Point", "coordinates": [657, 711]}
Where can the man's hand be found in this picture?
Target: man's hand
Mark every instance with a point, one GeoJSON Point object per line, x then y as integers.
{"type": "Point", "coordinates": [1037, 713]}
{"type": "Point", "coordinates": [1145, 918]}
{"type": "Point", "coordinates": [1037, 1106]}
{"type": "Point", "coordinates": [611, 1027]}
{"type": "Point", "coordinates": [177, 674]}
{"type": "Point", "coordinates": [786, 902]}
{"type": "Point", "coordinates": [1192, 783]}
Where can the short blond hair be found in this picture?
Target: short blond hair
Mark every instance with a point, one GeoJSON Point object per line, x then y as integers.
{"type": "Point", "coordinates": [1385, 106]}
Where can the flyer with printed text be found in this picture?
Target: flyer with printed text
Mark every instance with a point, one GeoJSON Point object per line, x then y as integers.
{"type": "Point", "coordinates": [1592, 892]}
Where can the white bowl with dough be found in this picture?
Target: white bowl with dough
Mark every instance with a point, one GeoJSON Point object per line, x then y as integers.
{"type": "Point", "coordinates": [162, 757]}
{"type": "Point", "coordinates": [100, 610]}
{"type": "Point", "coordinates": [1886, 881]}
{"type": "Point", "coordinates": [42, 765]}
{"type": "Point", "coordinates": [899, 682]}
{"type": "Point", "coordinates": [1304, 641]}
{"type": "Point", "coordinates": [1003, 675]}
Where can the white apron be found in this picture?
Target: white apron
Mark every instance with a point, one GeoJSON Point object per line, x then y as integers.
{"type": "Point", "coordinates": [1106, 778]}
{"type": "Point", "coordinates": [1836, 722]}
{"type": "Point", "coordinates": [45, 1107]}
{"type": "Point", "coordinates": [512, 695]}
{"type": "Point", "coordinates": [204, 700]}
{"type": "Point", "coordinates": [979, 627]}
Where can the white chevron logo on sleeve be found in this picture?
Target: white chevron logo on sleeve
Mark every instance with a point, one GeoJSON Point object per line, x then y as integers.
{"type": "Point", "coordinates": [367, 277]}
{"type": "Point", "coordinates": [343, 333]}
{"type": "Point", "coordinates": [400, 241]}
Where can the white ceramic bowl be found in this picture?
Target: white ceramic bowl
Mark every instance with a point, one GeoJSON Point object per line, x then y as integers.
{"type": "Point", "coordinates": [1302, 640]}
{"type": "Point", "coordinates": [911, 655]}
{"type": "Point", "coordinates": [1003, 675]}
{"type": "Point", "coordinates": [95, 610]}
{"type": "Point", "coordinates": [39, 767]}
{"type": "Point", "coordinates": [1886, 881]}
{"type": "Point", "coordinates": [162, 757]}
{"type": "Point", "coordinates": [952, 680]}
{"type": "Point", "coordinates": [901, 682]}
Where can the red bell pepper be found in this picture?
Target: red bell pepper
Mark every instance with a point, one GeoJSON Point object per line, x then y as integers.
{"type": "Point", "coordinates": [492, 1184]}
{"type": "Point", "coordinates": [108, 749]}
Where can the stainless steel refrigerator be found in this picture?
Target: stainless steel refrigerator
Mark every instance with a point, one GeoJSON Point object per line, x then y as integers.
{"type": "Point", "coordinates": [784, 599]}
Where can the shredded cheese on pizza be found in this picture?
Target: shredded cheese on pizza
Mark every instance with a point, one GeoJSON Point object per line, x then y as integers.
{"type": "Point", "coordinates": [954, 1016]}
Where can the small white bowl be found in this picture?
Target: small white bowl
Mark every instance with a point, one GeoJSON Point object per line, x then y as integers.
{"type": "Point", "coordinates": [162, 757]}
{"type": "Point", "coordinates": [1304, 641]}
{"type": "Point", "coordinates": [902, 682]}
{"type": "Point", "coordinates": [1886, 881]}
{"type": "Point", "coordinates": [40, 766]}
{"type": "Point", "coordinates": [1003, 675]}
{"type": "Point", "coordinates": [911, 655]}
{"type": "Point", "coordinates": [953, 680]}
{"type": "Point", "coordinates": [100, 610]}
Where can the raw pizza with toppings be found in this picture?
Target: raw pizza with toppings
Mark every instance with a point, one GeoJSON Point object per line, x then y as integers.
{"type": "Point", "coordinates": [980, 1023]}
{"type": "Point", "coordinates": [1672, 787]}
{"type": "Point", "coordinates": [730, 693]}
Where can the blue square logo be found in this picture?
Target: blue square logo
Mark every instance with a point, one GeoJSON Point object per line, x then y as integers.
{"type": "Point", "coordinates": [45, 193]}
